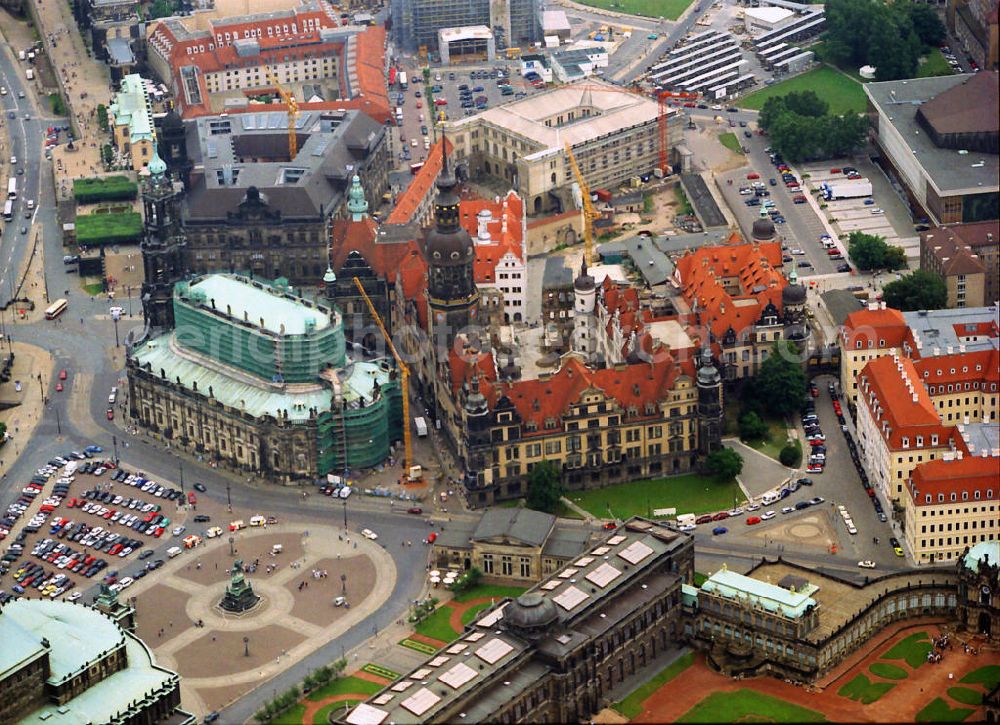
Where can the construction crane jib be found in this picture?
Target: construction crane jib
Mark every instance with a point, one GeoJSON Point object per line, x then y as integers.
{"type": "Point", "coordinates": [292, 107]}
{"type": "Point", "coordinates": [404, 372]}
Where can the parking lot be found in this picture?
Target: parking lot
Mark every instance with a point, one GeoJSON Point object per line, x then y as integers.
{"type": "Point", "coordinates": [420, 112]}
{"type": "Point", "coordinates": [70, 525]}
{"type": "Point", "coordinates": [882, 213]}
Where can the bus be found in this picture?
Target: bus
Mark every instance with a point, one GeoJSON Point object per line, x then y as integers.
{"type": "Point", "coordinates": [55, 309]}
{"type": "Point", "coordinates": [392, 76]}
{"type": "Point", "coordinates": [8, 210]}
{"type": "Point", "coordinates": [402, 81]}
{"type": "Point", "coordinates": [12, 189]}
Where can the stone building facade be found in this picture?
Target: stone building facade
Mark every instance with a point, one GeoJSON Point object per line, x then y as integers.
{"type": "Point", "coordinates": [560, 649]}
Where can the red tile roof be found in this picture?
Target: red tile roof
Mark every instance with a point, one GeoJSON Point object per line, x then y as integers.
{"type": "Point", "coordinates": [384, 258]}
{"type": "Point", "coordinates": [755, 268]}
{"type": "Point", "coordinates": [959, 476]}
{"type": "Point", "coordinates": [981, 366]}
{"type": "Point", "coordinates": [629, 386]}
{"type": "Point", "coordinates": [412, 275]}
{"type": "Point", "coordinates": [906, 413]}
{"type": "Point", "coordinates": [506, 232]}
{"type": "Point", "coordinates": [874, 326]}
{"type": "Point", "coordinates": [423, 184]}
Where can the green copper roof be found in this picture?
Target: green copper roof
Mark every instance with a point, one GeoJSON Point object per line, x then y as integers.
{"type": "Point", "coordinates": [769, 596]}
{"type": "Point", "coordinates": [129, 107]}
{"type": "Point", "coordinates": [356, 202]}
{"type": "Point", "coordinates": [156, 165]}
{"type": "Point", "coordinates": [981, 551]}
{"type": "Point", "coordinates": [257, 303]}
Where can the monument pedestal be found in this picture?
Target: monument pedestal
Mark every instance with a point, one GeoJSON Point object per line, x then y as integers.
{"type": "Point", "coordinates": [239, 596]}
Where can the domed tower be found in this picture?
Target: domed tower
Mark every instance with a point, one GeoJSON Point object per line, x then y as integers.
{"type": "Point", "coordinates": [171, 140]}
{"type": "Point", "coordinates": [451, 286]}
{"type": "Point", "coordinates": [357, 204]}
{"type": "Point", "coordinates": [584, 314]}
{"type": "Point", "coordinates": [163, 244]}
{"type": "Point", "coordinates": [793, 302]}
{"type": "Point", "coordinates": [530, 616]}
{"type": "Point", "coordinates": [709, 403]}
{"type": "Point", "coordinates": [763, 230]}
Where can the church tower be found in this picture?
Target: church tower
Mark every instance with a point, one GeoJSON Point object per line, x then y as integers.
{"type": "Point", "coordinates": [477, 441]}
{"type": "Point", "coordinates": [162, 245]}
{"type": "Point", "coordinates": [709, 403]}
{"type": "Point", "coordinates": [357, 204]}
{"type": "Point", "coordinates": [451, 287]}
{"type": "Point", "coordinates": [584, 315]}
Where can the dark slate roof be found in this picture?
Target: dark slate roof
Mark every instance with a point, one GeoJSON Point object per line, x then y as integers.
{"type": "Point", "coordinates": [566, 542]}
{"type": "Point", "coordinates": [519, 525]}
{"type": "Point", "coordinates": [969, 107]}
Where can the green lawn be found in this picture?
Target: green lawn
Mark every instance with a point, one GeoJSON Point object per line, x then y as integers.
{"type": "Point", "coordinates": [913, 649]}
{"type": "Point", "coordinates": [775, 442]}
{"type": "Point", "coordinates": [938, 711]}
{"type": "Point", "coordinates": [469, 614]}
{"type": "Point", "coordinates": [730, 141]}
{"type": "Point", "coordinates": [864, 690]}
{"type": "Point", "coordinates": [344, 686]}
{"type": "Point", "coordinates": [888, 671]}
{"type": "Point", "coordinates": [481, 591]}
{"type": "Point", "coordinates": [748, 705]}
{"type": "Point", "coordinates": [631, 706]}
{"type": "Point", "coordinates": [965, 695]}
{"type": "Point", "coordinates": [95, 230]}
{"type": "Point", "coordinates": [988, 677]}
{"type": "Point", "coordinates": [843, 93]}
{"type": "Point", "coordinates": [437, 626]}
{"type": "Point", "coordinates": [934, 64]}
{"type": "Point", "coordinates": [93, 288]}
{"type": "Point", "coordinates": [421, 647]}
{"type": "Point", "coordinates": [292, 716]}
{"type": "Point", "coordinates": [669, 9]}
{"type": "Point", "coordinates": [323, 714]}
{"type": "Point", "coordinates": [689, 493]}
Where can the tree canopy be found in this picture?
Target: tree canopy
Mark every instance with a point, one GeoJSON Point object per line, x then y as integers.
{"type": "Point", "coordinates": [780, 383]}
{"type": "Point", "coordinates": [752, 427]}
{"type": "Point", "coordinates": [870, 251]}
{"type": "Point", "coordinates": [544, 487]}
{"type": "Point", "coordinates": [921, 290]}
{"type": "Point", "coordinates": [725, 464]}
{"type": "Point", "coordinates": [890, 37]}
{"type": "Point", "coordinates": [801, 127]}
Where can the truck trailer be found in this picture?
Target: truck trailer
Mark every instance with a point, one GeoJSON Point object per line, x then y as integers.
{"type": "Point", "coordinates": [846, 189]}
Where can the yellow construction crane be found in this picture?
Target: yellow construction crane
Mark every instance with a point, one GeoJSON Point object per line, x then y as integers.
{"type": "Point", "coordinates": [589, 212]}
{"type": "Point", "coordinates": [293, 110]}
{"type": "Point", "coordinates": [404, 371]}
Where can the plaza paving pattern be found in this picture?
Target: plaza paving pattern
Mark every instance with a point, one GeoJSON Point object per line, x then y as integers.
{"type": "Point", "coordinates": [215, 663]}
{"type": "Point", "coordinates": [901, 703]}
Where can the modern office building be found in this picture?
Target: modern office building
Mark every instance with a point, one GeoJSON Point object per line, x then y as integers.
{"type": "Point", "coordinates": [253, 376]}
{"type": "Point", "coordinates": [939, 138]}
{"type": "Point", "coordinates": [66, 663]}
{"type": "Point", "coordinates": [556, 652]}
{"type": "Point", "coordinates": [614, 135]}
{"type": "Point", "coordinates": [513, 23]}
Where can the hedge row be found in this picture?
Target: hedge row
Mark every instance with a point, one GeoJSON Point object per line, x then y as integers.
{"type": "Point", "coordinates": [95, 230]}
{"type": "Point", "coordinates": [111, 188]}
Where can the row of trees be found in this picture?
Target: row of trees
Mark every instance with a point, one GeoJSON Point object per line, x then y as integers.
{"type": "Point", "coordinates": [801, 127]}
{"type": "Point", "coordinates": [921, 290]}
{"type": "Point", "coordinates": [870, 251]}
{"type": "Point", "coordinates": [889, 36]}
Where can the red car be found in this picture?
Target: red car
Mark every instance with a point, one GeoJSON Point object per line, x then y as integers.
{"type": "Point", "coordinates": [111, 413]}
{"type": "Point", "coordinates": [63, 374]}
{"type": "Point", "coordinates": [690, 104]}
{"type": "Point", "coordinates": [440, 102]}
{"type": "Point", "coordinates": [414, 510]}
{"type": "Point", "coordinates": [432, 537]}
{"type": "Point", "coordinates": [192, 499]}
{"type": "Point", "coordinates": [610, 526]}
{"type": "Point", "coordinates": [703, 519]}
{"type": "Point", "coordinates": [59, 387]}
{"type": "Point", "coordinates": [751, 520]}
{"type": "Point", "coordinates": [420, 104]}
{"type": "Point", "coordinates": [753, 175]}
{"type": "Point", "coordinates": [721, 516]}
{"type": "Point", "coordinates": [814, 468]}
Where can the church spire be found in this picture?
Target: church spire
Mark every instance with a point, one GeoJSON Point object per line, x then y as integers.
{"type": "Point", "coordinates": [357, 204]}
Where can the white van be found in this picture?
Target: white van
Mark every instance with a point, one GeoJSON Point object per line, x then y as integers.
{"type": "Point", "coordinates": [173, 551]}
{"type": "Point", "coordinates": [769, 498]}
{"type": "Point", "coordinates": [113, 396]}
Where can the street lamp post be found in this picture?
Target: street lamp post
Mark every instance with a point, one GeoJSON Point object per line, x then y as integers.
{"type": "Point", "coordinates": [58, 421]}
{"type": "Point", "coordinates": [117, 343]}
{"type": "Point", "coordinates": [229, 500]}
{"type": "Point", "coordinates": [231, 550]}
{"type": "Point", "coordinates": [114, 443]}
{"type": "Point", "coordinates": [246, 646]}
{"type": "Point", "coordinates": [344, 501]}
{"type": "Point", "coordinates": [343, 584]}
{"type": "Point", "coordinates": [180, 463]}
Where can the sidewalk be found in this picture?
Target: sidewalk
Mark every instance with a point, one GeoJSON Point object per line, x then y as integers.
{"type": "Point", "coordinates": [29, 363]}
